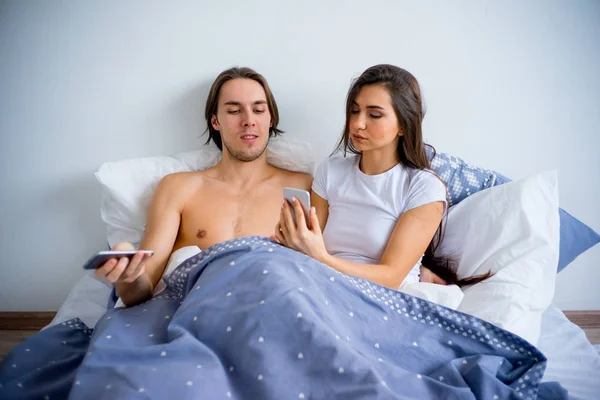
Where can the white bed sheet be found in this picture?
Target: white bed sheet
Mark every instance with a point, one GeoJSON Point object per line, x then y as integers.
{"type": "Point", "coordinates": [572, 360]}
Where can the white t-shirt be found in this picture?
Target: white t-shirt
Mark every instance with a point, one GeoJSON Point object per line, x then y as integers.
{"type": "Point", "coordinates": [364, 209]}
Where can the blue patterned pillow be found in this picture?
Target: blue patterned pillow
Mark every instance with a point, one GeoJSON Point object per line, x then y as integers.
{"type": "Point", "coordinates": [463, 179]}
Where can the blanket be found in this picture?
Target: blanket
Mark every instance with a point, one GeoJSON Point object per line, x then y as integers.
{"type": "Point", "coordinates": [250, 319]}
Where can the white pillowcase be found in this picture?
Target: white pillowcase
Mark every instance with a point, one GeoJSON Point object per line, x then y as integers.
{"type": "Point", "coordinates": [127, 185]}
{"type": "Point", "coordinates": [512, 230]}
{"type": "Point", "coordinates": [446, 295]}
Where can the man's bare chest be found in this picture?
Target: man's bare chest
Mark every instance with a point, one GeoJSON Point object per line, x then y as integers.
{"type": "Point", "coordinates": [207, 219]}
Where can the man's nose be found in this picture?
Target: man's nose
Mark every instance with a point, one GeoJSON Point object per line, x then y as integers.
{"type": "Point", "coordinates": [248, 119]}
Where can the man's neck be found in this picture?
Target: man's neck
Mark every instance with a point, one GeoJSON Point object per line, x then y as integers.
{"type": "Point", "coordinates": [243, 174]}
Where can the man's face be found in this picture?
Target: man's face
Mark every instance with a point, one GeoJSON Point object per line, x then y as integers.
{"type": "Point", "coordinates": [243, 119]}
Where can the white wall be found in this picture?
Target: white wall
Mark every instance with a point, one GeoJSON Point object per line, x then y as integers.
{"type": "Point", "coordinates": [509, 85]}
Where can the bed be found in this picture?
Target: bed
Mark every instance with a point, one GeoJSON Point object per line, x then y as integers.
{"type": "Point", "coordinates": [504, 339]}
{"type": "Point", "coordinates": [572, 360]}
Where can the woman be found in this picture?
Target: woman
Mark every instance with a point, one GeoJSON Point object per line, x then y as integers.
{"type": "Point", "coordinates": [377, 214]}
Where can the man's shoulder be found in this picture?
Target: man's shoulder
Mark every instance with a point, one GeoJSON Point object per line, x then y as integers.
{"type": "Point", "coordinates": [183, 180]}
{"type": "Point", "coordinates": [294, 179]}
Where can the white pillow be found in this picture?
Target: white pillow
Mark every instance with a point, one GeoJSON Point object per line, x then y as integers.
{"type": "Point", "coordinates": [446, 295]}
{"type": "Point", "coordinates": [512, 230]}
{"type": "Point", "coordinates": [127, 185]}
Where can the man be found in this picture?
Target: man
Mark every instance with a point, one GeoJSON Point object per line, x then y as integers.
{"type": "Point", "coordinates": [240, 196]}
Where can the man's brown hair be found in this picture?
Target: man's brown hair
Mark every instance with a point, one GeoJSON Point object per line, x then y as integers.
{"type": "Point", "coordinates": [213, 101]}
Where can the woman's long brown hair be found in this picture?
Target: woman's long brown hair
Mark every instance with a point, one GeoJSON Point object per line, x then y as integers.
{"type": "Point", "coordinates": [405, 94]}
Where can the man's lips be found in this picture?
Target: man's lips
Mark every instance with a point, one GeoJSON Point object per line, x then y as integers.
{"type": "Point", "coordinates": [249, 137]}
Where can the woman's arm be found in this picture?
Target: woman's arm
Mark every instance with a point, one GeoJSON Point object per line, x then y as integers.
{"type": "Point", "coordinates": [409, 240]}
{"type": "Point", "coordinates": [321, 207]}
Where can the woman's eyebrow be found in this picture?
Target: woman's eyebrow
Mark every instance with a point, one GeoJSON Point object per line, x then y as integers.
{"type": "Point", "coordinates": [237, 103]}
{"type": "Point", "coordinates": [354, 103]}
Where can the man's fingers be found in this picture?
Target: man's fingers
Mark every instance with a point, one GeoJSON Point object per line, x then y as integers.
{"type": "Point", "coordinates": [139, 271]}
{"type": "Point", "coordinates": [117, 270]}
{"type": "Point", "coordinates": [123, 269]}
{"type": "Point", "coordinates": [106, 268]}
{"type": "Point", "coordinates": [133, 266]}
{"type": "Point", "coordinates": [123, 246]}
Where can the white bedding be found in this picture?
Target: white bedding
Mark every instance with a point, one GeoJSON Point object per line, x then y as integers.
{"type": "Point", "coordinates": [572, 360]}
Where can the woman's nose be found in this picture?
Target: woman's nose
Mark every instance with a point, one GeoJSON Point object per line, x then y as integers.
{"type": "Point", "coordinates": [357, 122]}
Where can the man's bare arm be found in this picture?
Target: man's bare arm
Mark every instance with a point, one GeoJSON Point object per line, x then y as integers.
{"type": "Point", "coordinates": [135, 280]}
{"type": "Point", "coordinates": [162, 224]}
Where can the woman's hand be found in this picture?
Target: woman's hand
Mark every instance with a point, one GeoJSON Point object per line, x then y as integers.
{"type": "Point", "coordinates": [297, 235]}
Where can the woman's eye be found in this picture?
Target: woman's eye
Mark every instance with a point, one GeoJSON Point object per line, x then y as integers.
{"type": "Point", "coordinates": [375, 116]}
{"type": "Point", "coordinates": [354, 111]}
{"type": "Point", "coordinates": [259, 111]}
{"type": "Point", "coordinates": [233, 111]}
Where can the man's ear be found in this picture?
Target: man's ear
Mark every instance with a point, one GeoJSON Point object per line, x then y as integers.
{"type": "Point", "coordinates": [214, 122]}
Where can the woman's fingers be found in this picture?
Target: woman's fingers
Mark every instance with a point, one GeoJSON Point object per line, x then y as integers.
{"type": "Point", "coordinates": [300, 217]}
{"type": "Point", "coordinates": [278, 235]}
{"type": "Point", "coordinates": [279, 238]}
{"type": "Point", "coordinates": [288, 220]}
{"type": "Point", "coordinates": [315, 225]}
{"type": "Point", "coordinates": [286, 224]}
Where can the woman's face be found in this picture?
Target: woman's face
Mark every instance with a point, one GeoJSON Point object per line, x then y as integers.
{"type": "Point", "coordinates": [373, 122]}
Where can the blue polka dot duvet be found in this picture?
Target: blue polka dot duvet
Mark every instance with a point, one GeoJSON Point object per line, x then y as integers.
{"type": "Point", "coordinates": [249, 319]}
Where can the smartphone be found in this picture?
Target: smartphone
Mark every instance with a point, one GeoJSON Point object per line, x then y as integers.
{"type": "Point", "coordinates": [304, 197]}
{"type": "Point", "coordinates": [98, 259]}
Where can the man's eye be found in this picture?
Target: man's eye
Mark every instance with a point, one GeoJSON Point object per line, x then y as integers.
{"type": "Point", "coordinates": [233, 112]}
{"type": "Point", "coordinates": [259, 111]}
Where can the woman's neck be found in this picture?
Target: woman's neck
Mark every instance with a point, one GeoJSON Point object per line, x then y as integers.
{"type": "Point", "coordinates": [375, 162]}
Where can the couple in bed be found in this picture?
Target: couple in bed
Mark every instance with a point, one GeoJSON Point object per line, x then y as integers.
{"type": "Point", "coordinates": [377, 213]}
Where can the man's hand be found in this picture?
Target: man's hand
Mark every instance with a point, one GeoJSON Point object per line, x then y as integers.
{"type": "Point", "coordinates": [298, 236]}
{"type": "Point", "coordinates": [123, 270]}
